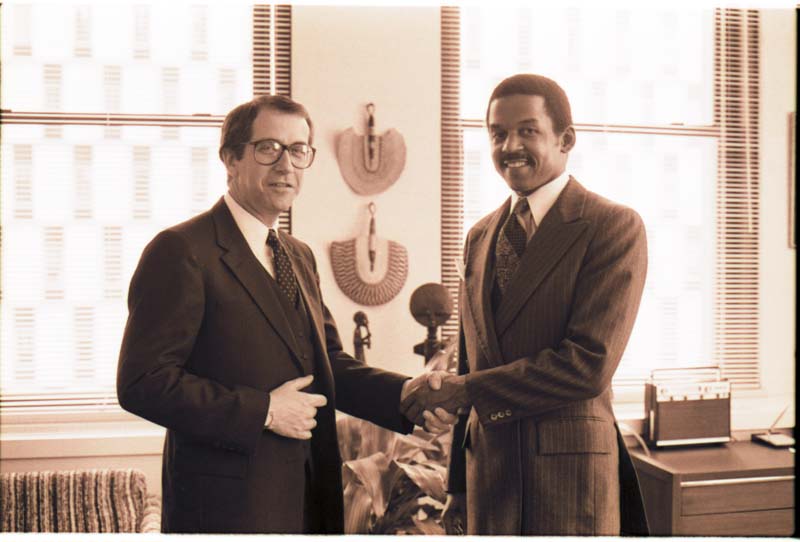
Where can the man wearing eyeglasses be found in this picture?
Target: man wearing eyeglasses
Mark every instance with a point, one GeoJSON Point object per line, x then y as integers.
{"type": "Point", "coordinates": [230, 347]}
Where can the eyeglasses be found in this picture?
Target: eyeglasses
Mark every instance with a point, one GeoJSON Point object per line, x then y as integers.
{"type": "Point", "coordinates": [268, 151]}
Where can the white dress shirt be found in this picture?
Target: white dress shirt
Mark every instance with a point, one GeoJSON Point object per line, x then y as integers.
{"type": "Point", "coordinates": [541, 201]}
{"type": "Point", "coordinates": [255, 233]}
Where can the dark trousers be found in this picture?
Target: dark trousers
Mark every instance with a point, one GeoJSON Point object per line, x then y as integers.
{"type": "Point", "coordinates": [312, 515]}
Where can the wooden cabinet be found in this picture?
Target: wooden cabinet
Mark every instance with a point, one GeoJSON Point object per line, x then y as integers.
{"type": "Point", "coordinates": [736, 489]}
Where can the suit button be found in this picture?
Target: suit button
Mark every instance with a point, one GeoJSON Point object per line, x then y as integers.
{"type": "Point", "coordinates": [508, 412]}
{"type": "Point", "coordinates": [501, 415]}
{"type": "Point", "coordinates": [493, 417]}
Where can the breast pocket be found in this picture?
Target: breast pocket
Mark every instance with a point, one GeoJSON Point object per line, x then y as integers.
{"type": "Point", "coordinates": [582, 435]}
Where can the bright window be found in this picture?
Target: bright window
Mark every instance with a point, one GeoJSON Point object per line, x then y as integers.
{"type": "Point", "coordinates": [665, 106]}
{"type": "Point", "coordinates": [111, 117]}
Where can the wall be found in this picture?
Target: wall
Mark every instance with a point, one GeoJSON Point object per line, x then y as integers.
{"type": "Point", "coordinates": [111, 440]}
{"type": "Point", "coordinates": [778, 286]}
{"type": "Point", "coordinates": [344, 58]}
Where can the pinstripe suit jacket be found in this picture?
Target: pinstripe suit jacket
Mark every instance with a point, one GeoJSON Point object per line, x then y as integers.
{"type": "Point", "coordinates": [540, 452]}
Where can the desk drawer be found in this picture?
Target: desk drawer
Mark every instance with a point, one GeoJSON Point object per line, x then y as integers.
{"type": "Point", "coordinates": [736, 495]}
{"type": "Point", "coordinates": [759, 523]}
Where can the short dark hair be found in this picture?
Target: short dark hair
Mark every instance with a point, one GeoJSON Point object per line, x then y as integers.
{"type": "Point", "coordinates": [237, 128]}
{"type": "Point", "coordinates": [555, 99]}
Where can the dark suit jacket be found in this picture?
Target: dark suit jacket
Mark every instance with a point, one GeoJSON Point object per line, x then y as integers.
{"type": "Point", "coordinates": [206, 341]}
{"type": "Point", "coordinates": [540, 453]}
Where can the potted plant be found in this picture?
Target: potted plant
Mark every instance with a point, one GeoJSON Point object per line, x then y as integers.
{"type": "Point", "coordinates": [393, 483]}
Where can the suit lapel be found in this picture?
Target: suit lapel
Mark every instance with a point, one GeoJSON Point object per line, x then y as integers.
{"type": "Point", "coordinates": [558, 231]}
{"type": "Point", "coordinates": [307, 281]}
{"type": "Point", "coordinates": [478, 279]}
{"type": "Point", "coordinates": [243, 264]}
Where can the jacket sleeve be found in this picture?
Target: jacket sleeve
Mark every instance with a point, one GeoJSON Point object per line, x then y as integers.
{"type": "Point", "coordinates": [166, 303]}
{"type": "Point", "coordinates": [361, 391]}
{"type": "Point", "coordinates": [457, 466]}
{"type": "Point", "coordinates": [606, 299]}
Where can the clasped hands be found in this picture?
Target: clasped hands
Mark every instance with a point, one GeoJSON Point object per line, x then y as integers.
{"type": "Point", "coordinates": [433, 399]}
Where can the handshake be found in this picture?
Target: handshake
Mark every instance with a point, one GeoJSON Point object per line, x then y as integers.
{"type": "Point", "coordinates": [439, 394]}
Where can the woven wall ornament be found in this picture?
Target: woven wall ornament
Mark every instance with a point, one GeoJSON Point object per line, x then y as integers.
{"type": "Point", "coordinates": [369, 270]}
{"type": "Point", "coordinates": [371, 163]}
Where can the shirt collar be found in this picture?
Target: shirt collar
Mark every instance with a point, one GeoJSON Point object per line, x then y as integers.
{"type": "Point", "coordinates": [254, 231]}
{"type": "Point", "coordinates": [542, 199]}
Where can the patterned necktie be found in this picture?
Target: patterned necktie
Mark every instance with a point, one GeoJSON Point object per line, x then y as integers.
{"type": "Point", "coordinates": [284, 275]}
{"type": "Point", "coordinates": [511, 244]}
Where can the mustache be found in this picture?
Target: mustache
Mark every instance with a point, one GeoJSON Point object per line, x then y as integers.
{"type": "Point", "coordinates": [517, 155]}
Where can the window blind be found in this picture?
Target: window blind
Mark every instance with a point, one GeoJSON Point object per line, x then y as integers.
{"type": "Point", "coordinates": [105, 143]}
{"type": "Point", "coordinates": [452, 160]}
{"type": "Point", "coordinates": [736, 112]}
{"type": "Point", "coordinates": [263, 78]}
{"type": "Point", "coordinates": [272, 61]}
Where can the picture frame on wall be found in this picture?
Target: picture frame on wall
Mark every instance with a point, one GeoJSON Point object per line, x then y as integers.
{"type": "Point", "coordinates": [792, 181]}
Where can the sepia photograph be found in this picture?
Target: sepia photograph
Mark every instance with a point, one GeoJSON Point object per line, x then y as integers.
{"type": "Point", "coordinates": [418, 268]}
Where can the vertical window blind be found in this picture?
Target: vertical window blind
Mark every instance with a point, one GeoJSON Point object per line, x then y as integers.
{"type": "Point", "coordinates": [452, 159]}
{"type": "Point", "coordinates": [106, 142]}
{"type": "Point", "coordinates": [736, 113]}
{"type": "Point", "coordinates": [272, 61]}
{"type": "Point", "coordinates": [666, 109]}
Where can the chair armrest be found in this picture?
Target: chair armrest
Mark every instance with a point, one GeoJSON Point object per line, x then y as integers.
{"type": "Point", "coordinates": [151, 520]}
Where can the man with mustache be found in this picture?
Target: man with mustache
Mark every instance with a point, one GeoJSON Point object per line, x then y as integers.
{"type": "Point", "coordinates": [230, 347]}
{"type": "Point", "coordinates": [551, 287]}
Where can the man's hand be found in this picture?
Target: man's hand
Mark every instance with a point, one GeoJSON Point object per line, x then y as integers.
{"type": "Point", "coordinates": [436, 420]}
{"type": "Point", "coordinates": [292, 410]}
{"type": "Point", "coordinates": [454, 515]}
{"type": "Point", "coordinates": [445, 391]}
{"type": "Point", "coordinates": [439, 421]}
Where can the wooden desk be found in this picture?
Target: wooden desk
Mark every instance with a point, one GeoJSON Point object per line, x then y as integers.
{"type": "Point", "coordinates": [739, 488]}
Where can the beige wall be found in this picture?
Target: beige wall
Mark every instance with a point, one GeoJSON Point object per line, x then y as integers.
{"type": "Point", "coordinates": [777, 280]}
{"type": "Point", "coordinates": [115, 440]}
{"type": "Point", "coordinates": [342, 59]}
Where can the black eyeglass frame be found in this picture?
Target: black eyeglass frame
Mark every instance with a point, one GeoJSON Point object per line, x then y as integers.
{"type": "Point", "coordinates": [284, 148]}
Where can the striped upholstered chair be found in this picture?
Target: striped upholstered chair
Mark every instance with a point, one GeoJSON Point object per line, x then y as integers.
{"type": "Point", "coordinates": [79, 501]}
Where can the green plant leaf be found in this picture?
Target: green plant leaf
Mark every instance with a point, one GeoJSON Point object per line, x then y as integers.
{"type": "Point", "coordinates": [430, 480]}
{"type": "Point", "coordinates": [377, 473]}
{"type": "Point", "coordinates": [395, 484]}
{"type": "Point", "coordinates": [348, 430]}
{"type": "Point", "coordinates": [445, 359]}
{"type": "Point", "coordinates": [403, 505]}
{"type": "Point", "coordinates": [430, 505]}
{"type": "Point", "coordinates": [358, 517]}
{"type": "Point", "coordinates": [376, 439]}
{"type": "Point", "coordinates": [428, 526]}
{"type": "Point", "coordinates": [411, 448]}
